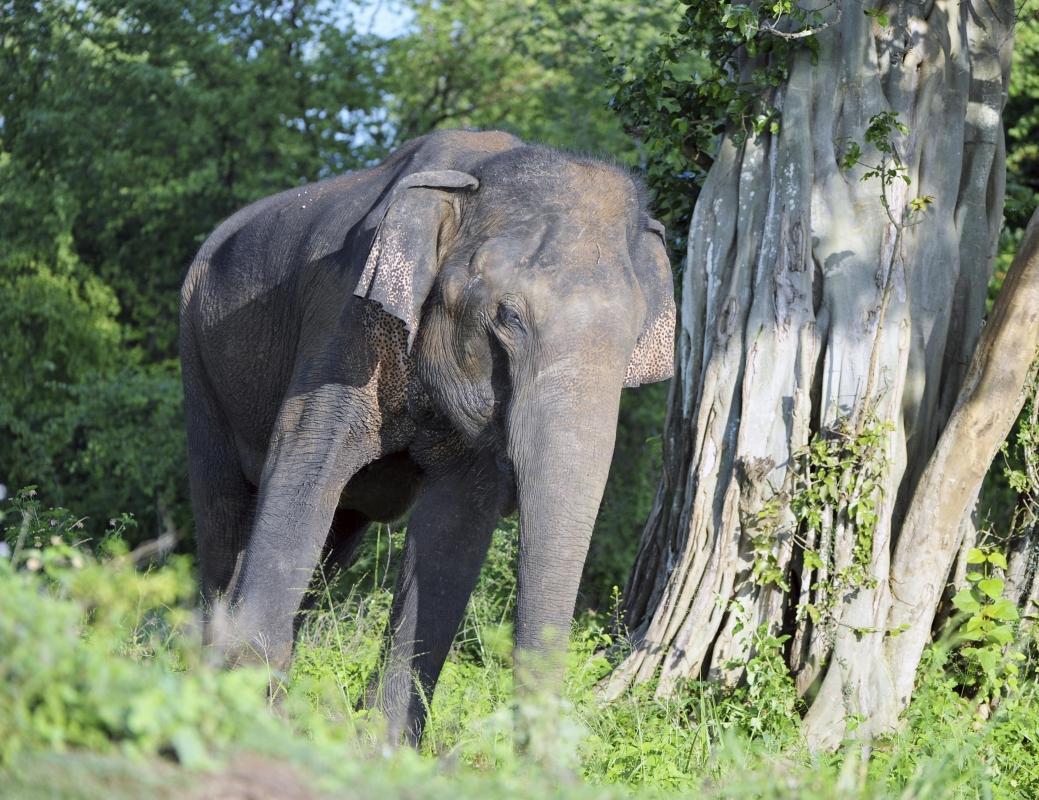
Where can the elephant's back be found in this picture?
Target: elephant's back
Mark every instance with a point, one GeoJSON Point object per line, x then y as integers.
{"type": "Point", "coordinates": [265, 244]}
{"type": "Point", "coordinates": [268, 242]}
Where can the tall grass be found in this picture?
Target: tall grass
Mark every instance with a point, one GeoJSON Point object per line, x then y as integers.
{"type": "Point", "coordinates": [100, 660]}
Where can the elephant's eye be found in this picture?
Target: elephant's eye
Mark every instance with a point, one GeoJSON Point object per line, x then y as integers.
{"type": "Point", "coordinates": [509, 316]}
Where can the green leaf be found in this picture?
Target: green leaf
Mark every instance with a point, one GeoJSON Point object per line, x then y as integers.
{"type": "Point", "coordinates": [1003, 610]}
{"type": "Point", "coordinates": [988, 658]}
{"type": "Point", "coordinates": [976, 556]}
{"type": "Point", "coordinates": [878, 15]}
{"type": "Point", "coordinates": [993, 587]}
{"type": "Point", "coordinates": [998, 559]}
{"type": "Point", "coordinates": [966, 602]}
{"type": "Point", "coordinates": [851, 155]}
{"type": "Point", "coordinates": [920, 203]}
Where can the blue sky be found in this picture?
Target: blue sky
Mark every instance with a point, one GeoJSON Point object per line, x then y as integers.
{"type": "Point", "coordinates": [385, 18]}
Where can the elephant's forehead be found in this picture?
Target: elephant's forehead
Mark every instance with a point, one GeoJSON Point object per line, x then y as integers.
{"type": "Point", "coordinates": [533, 179]}
{"type": "Point", "coordinates": [554, 245]}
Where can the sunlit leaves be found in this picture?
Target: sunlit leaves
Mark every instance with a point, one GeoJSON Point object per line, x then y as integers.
{"type": "Point", "coordinates": [988, 623]}
{"type": "Point", "coordinates": [716, 72]}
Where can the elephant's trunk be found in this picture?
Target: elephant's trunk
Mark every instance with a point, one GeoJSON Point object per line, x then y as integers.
{"type": "Point", "coordinates": [561, 438]}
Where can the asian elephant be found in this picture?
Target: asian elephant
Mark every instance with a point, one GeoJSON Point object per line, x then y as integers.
{"type": "Point", "coordinates": [446, 332]}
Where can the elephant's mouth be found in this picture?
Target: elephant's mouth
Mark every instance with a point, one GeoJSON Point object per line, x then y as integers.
{"type": "Point", "coordinates": [477, 415]}
{"type": "Point", "coordinates": [464, 409]}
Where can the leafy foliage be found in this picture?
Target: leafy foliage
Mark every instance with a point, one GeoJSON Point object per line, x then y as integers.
{"type": "Point", "coordinates": [139, 125]}
{"type": "Point", "coordinates": [80, 416]}
{"type": "Point", "coordinates": [526, 66]}
{"type": "Point", "coordinates": [988, 624]}
{"type": "Point", "coordinates": [1021, 465]}
{"type": "Point", "coordinates": [715, 71]}
{"type": "Point", "coordinates": [1021, 117]}
{"type": "Point", "coordinates": [839, 483]}
{"type": "Point", "coordinates": [881, 133]}
{"type": "Point", "coordinates": [94, 652]}
{"type": "Point", "coordinates": [97, 654]}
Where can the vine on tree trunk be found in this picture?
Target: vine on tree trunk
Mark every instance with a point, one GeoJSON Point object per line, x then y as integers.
{"type": "Point", "coordinates": [838, 484]}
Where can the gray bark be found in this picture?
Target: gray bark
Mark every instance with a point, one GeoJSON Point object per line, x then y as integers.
{"type": "Point", "coordinates": [805, 308]}
{"type": "Point", "coordinates": [1022, 578]}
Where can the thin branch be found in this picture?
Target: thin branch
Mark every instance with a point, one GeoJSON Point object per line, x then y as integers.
{"type": "Point", "coordinates": [159, 547]}
{"type": "Point", "coordinates": [803, 34]}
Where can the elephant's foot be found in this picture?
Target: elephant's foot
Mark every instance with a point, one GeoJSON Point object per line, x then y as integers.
{"type": "Point", "coordinates": [236, 638]}
{"type": "Point", "coordinates": [397, 696]}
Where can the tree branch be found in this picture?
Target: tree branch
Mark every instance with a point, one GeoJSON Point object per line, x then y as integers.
{"type": "Point", "coordinates": [988, 404]}
{"type": "Point", "coordinates": [802, 34]}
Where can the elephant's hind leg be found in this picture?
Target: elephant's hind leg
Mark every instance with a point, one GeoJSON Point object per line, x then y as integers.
{"type": "Point", "coordinates": [221, 498]}
{"type": "Point", "coordinates": [348, 529]}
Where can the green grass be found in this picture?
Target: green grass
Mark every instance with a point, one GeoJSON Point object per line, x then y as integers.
{"type": "Point", "coordinates": [105, 692]}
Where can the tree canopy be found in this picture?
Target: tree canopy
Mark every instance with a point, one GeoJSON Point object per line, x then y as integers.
{"type": "Point", "coordinates": [129, 129]}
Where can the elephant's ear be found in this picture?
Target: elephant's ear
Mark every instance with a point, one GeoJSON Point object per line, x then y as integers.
{"type": "Point", "coordinates": [654, 356]}
{"type": "Point", "coordinates": [402, 264]}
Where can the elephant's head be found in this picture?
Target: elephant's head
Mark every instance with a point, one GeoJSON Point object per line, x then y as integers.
{"type": "Point", "coordinates": [532, 292]}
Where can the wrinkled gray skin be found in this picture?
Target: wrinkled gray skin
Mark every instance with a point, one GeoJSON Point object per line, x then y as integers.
{"type": "Point", "coordinates": [447, 332]}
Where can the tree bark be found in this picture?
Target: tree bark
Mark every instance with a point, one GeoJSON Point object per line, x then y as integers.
{"type": "Point", "coordinates": [812, 308]}
{"type": "Point", "coordinates": [1022, 577]}
{"type": "Point", "coordinates": [988, 405]}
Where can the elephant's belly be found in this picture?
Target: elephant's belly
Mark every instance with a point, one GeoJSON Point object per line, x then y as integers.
{"type": "Point", "coordinates": [385, 489]}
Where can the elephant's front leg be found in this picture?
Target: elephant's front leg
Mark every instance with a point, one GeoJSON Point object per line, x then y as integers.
{"type": "Point", "coordinates": [323, 438]}
{"type": "Point", "coordinates": [447, 540]}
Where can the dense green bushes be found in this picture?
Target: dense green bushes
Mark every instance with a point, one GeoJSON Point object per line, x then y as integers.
{"type": "Point", "coordinates": [99, 655]}
{"type": "Point", "coordinates": [80, 417]}
{"type": "Point", "coordinates": [95, 653]}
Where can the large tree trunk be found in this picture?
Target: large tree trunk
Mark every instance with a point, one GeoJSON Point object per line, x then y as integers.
{"type": "Point", "coordinates": [812, 309]}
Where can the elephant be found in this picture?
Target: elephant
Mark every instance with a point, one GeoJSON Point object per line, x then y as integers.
{"type": "Point", "coordinates": [445, 333]}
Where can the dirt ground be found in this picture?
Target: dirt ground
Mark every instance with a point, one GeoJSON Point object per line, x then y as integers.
{"type": "Point", "coordinates": [86, 776]}
{"type": "Point", "coordinates": [251, 777]}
